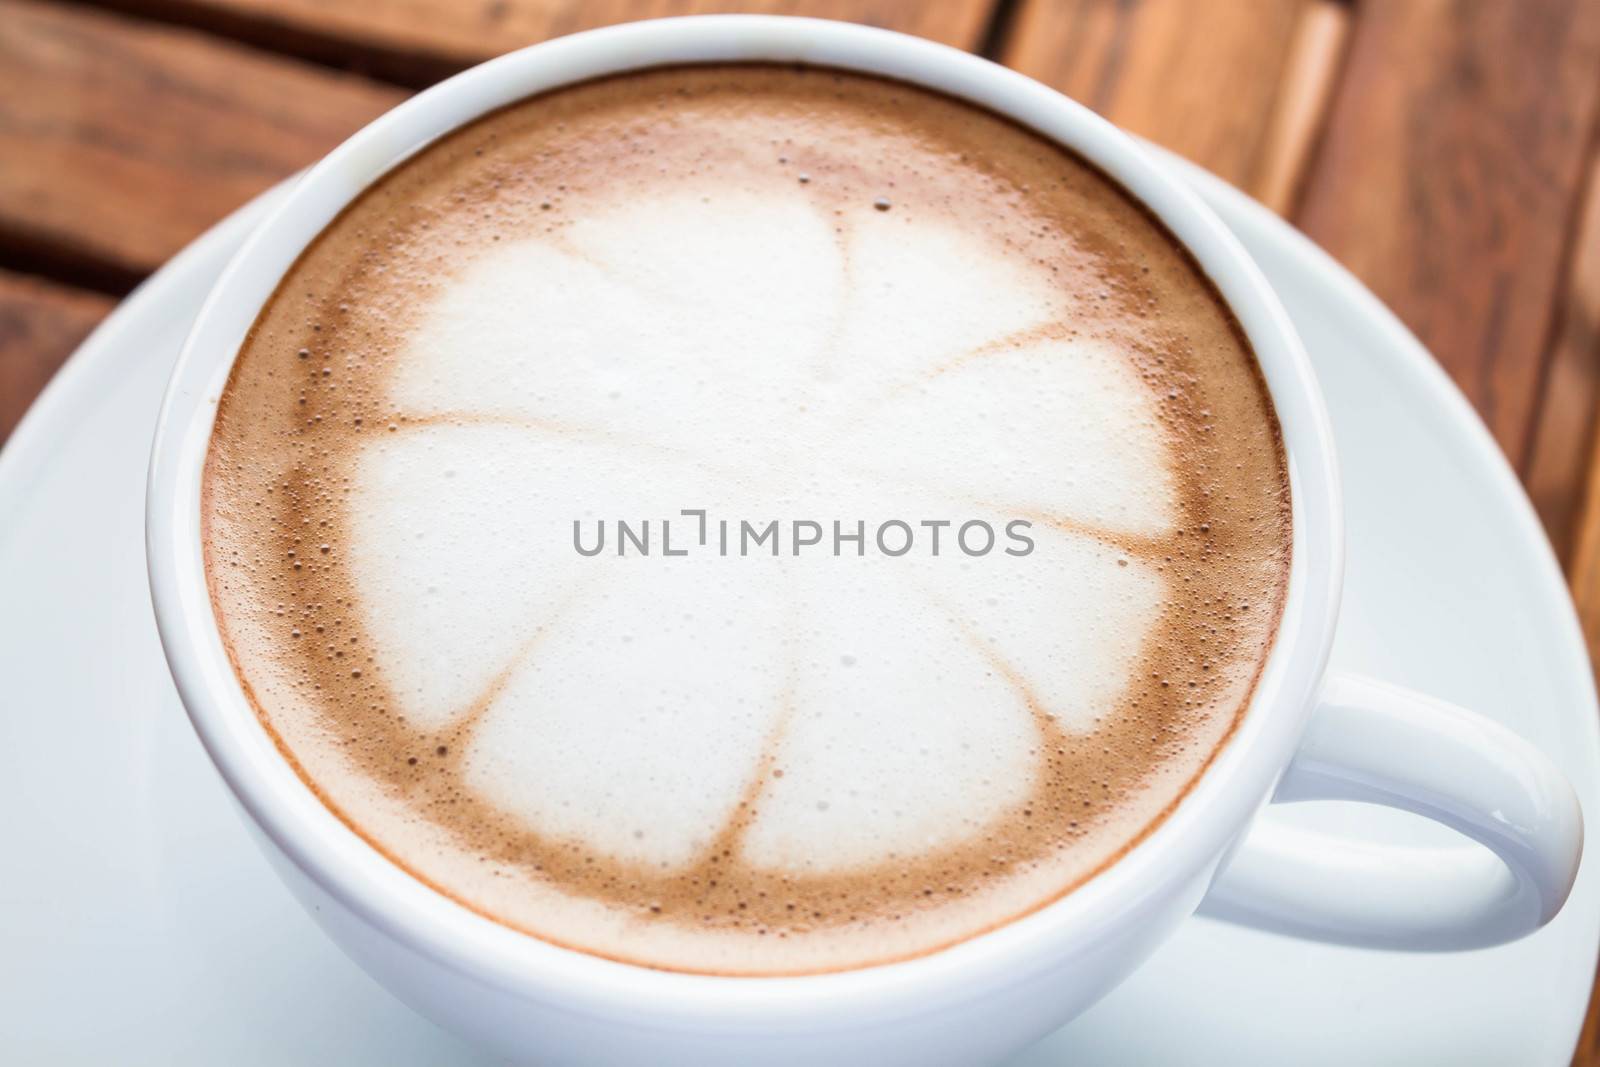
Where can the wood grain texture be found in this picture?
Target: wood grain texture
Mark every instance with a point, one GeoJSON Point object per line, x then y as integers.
{"type": "Point", "coordinates": [1311, 72]}
{"type": "Point", "coordinates": [121, 140]}
{"type": "Point", "coordinates": [1563, 449]}
{"type": "Point", "coordinates": [40, 324]}
{"type": "Point", "coordinates": [416, 42]}
{"type": "Point", "coordinates": [1448, 176]}
{"type": "Point", "coordinates": [1238, 86]}
{"type": "Point", "coordinates": [1584, 1055]}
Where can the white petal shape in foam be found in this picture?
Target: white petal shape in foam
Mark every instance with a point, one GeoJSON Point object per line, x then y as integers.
{"type": "Point", "coordinates": [640, 318]}
{"type": "Point", "coordinates": [1063, 428]}
{"type": "Point", "coordinates": [461, 546]}
{"type": "Point", "coordinates": [1070, 618]}
{"type": "Point", "coordinates": [636, 726]}
{"type": "Point", "coordinates": [903, 736]}
{"type": "Point", "coordinates": [441, 520]}
{"type": "Point", "coordinates": [923, 293]}
{"type": "Point", "coordinates": [910, 731]}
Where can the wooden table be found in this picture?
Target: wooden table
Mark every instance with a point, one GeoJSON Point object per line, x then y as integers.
{"type": "Point", "coordinates": [1444, 150]}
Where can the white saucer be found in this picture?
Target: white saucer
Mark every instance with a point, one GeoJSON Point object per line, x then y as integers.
{"type": "Point", "coordinates": [138, 923]}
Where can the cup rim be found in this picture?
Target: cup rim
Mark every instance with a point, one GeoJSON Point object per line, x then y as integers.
{"type": "Point", "coordinates": [1183, 847]}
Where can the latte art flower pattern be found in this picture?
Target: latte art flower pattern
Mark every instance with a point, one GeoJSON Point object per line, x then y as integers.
{"type": "Point", "coordinates": [656, 354]}
{"type": "Point", "coordinates": [582, 310]}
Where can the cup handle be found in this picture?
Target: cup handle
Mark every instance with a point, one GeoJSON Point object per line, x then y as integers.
{"type": "Point", "coordinates": [1378, 743]}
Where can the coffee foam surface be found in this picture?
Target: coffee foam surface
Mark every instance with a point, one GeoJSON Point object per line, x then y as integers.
{"type": "Point", "coordinates": [772, 295]}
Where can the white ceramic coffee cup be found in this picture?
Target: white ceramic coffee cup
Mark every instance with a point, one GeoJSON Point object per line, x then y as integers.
{"type": "Point", "coordinates": [1306, 735]}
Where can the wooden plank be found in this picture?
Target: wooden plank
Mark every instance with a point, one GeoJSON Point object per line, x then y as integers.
{"type": "Point", "coordinates": [1564, 441]}
{"type": "Point", "coordinates": [120, 140]}
{"type": "Point", "coordinates": [40, 324]}
{"type": "Point", "coordinates": [1449, 176]}
{"type": "Point", "coordinates": [1238, 86]}
{"type": "Point", "coordinates": [1311, 70]}
{"type": "Point", "coordinates": [416, 42]}
{"type": "Point", "coordinates": [1586, 1055]}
